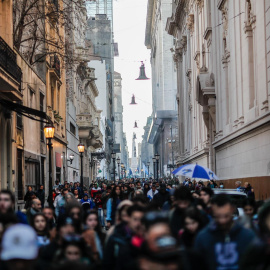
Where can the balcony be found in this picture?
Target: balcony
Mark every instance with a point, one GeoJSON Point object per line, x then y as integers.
{"type": "Point", "coordinates": [10, 72]}
{"type": "Point", "coordinates": [55, 65]}
{"type": "Point", "coordinates": [84, 122]}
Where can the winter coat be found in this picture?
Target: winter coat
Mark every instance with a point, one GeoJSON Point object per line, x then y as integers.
{"type": "Point", "coordinates": [222, 251]}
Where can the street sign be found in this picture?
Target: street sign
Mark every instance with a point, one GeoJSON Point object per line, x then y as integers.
{"type": "Point", "coordinates": [171, 166]}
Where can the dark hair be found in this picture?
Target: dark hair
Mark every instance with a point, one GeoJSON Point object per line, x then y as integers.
{"type": "Point", "coordinates": [135, 208]}
{"type": "Point", "coordinates": [208, 191]}
{"type": "Point", "coordinates": [46, 231]}
{"type": "Point", "coordinates": [154, 217]}
{"type": "Point", "coordinates": [250, 202]}
{"type": "Point", "coordinates": [183, 193]}
{"type": "Point", "coordinates": [8, 192]}
{"type": "Point", "coordinates": [221, 200]}
{"type": "Point", "coordinates": [195, 214]}
{"type": "Point", "coordinates": [64, 189]}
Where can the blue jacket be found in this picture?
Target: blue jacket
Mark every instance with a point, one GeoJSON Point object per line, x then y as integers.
{"type": "Point", "coordinates": [88, 201]}
{"type": "Point", "coordinates": [220, 251]}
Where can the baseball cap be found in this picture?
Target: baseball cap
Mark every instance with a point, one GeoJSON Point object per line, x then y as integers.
{"type": "Point", "coordinates": [19, 242]}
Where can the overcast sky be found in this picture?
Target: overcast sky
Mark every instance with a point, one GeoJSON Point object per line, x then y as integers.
{"type": "Point", "coordinates": [129, 33]}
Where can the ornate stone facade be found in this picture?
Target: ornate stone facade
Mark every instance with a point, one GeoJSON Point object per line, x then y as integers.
{"type": "Point", "coordinates": [223, 98]}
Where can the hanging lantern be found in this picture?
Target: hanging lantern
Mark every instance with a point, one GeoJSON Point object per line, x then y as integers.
{"type": "Point", "coordinates": [142, 73]}
{"type": "Point", "coordinates": [135, 125]}
{"type": "Point", "coordinates": [133, 102]}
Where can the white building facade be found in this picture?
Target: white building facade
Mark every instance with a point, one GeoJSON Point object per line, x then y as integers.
{"type": "Point", "coordinates": [222, 58]}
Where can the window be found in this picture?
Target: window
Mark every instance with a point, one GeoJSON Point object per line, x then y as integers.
{"type": "Point", "coordinates": [41, 107]}
{"type": "Point", "coordinates": [72, 129]}
{"type": "Point", "coordinates": [31, 102]}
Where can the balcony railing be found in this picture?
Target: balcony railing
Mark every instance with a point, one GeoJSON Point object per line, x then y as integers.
{"type": "Point", "coordinates": [8, 61]}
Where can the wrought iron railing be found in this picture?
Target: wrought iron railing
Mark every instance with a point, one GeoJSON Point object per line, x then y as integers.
{"type": "Point", "coordinates": [8, 61]}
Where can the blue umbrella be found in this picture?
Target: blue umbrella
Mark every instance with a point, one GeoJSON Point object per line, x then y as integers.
{"type": "Point", "coordinates": [195, 171]}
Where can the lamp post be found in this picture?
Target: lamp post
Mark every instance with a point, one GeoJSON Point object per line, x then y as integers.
{"type": "Point", "coordinates": [154, 168]}
{"type": "Point", "coordinates": [148, 165]}
{"type": "Point", "coordinates": [113, 157]}
{"type": "Point", "coordinates": [49, 134]}
{"type": "Point", "coordinates": [118, 163]}
{"type": "Point", "coordinates": [157, 159]}
{"type": "Point", "coordinates": [172, 149]}
{"type": "Point", "coordinates": [81, 151]}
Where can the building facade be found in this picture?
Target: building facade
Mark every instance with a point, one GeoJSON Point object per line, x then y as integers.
{"type": "Point", "coordinates": [220, 53]}
{"type": "Point", "coordinates": [164, 88]}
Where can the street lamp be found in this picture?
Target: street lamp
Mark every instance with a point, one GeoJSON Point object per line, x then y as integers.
{"type": "Point", "coordinates": [113, 157]}
{"type": "Point", "coordinates": [81, 151]}
{"type": "Point", "coordinates": [154, 168]}
{"type": "Point", "coordinates": [148, 165]}
{"type": "Point", "coordinates": [49, 134]}
{"type": "Point", "coordinates": [118, 163]}
{"type": "Point", "coordinates": [71, 157]}
{"type": "Point", "coordinates": [157, 159]}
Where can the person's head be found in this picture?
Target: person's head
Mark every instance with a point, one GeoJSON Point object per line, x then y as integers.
{"type": "Point", "coordinates": [74, 210]}
{"type": "Point", "coordinates": [138, 192]}
{"type": "Point", "coordinates": [73, 248]}
{"type": "Point", "coordinates": [109, 189]}
{"type": "Point", "coordinates": [69, 197]}
{"type": "Point", "coordinates": [76, 192]}
{"type": "Point", "coordinates": [158, 236]}
{"type": "Point", "coordinates": [146, 186]}
{"type": "Point", "coordinates": [138, 185]}
{"type": "Point", "coordinates": [223, 210]}
{"type": "Point", "coordinates": [135, 214]}
{"type": "Point", "coordinates": [19, 247]}
{"type": "Point", "coordinates": [116, 192]}
{"type": "Point", "coordinates": [41, 187]}
{"type": "Point", "coordinates": [65, 226]}
{"type": "Point", "coordinates": [121, 212]}
{"type": "Point", "coordinates": [96, 185]}
{"type": "Point", "coordinates": [29, 188]}
{"type": "Point", "coordinates": [182, 197]}
{"type": "Point", "coordinates": [64, 191]}
{"type": "Point", "coordinates": [48, 213]}
{"type": "Point", "coordinates": [206, 194]}
{"type": "Point", "coordinates": [7, 201]}
{"type": "Point", "coordinates": [36, 205]}
{"type": "Point", "coordinates": [91, 220]}
{"type": "Point", "coordinates": [154, 188]}
{"type": "Point", "coordinates": [40, 224]}
{"type": "Point", "coordinates": [193, 220]}
{"type": "Point", "coordinates": [249, 206]}
{"type": "Point", "coordinates": [238, 184]}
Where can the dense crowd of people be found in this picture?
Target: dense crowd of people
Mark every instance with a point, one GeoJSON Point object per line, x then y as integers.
{"type": "Point", "coordinates": [135, 224]}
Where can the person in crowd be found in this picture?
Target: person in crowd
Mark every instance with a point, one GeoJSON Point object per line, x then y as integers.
{"type": "Point", "coordinates": [92, 225]}
{"type": "Point", "coordinates": [28, 196]}
{"type": "Point", "coordinates": [87, 203]}
{"type": "Point", "coordinates": [7, 202]}
{"type": "Point", "coordinates": [76, 194]}
{"type": "Point", "coordinates": [41, 226]}
{"type": "Point", "coordinates": [162, 196]}
{"type": "Point", "coordinates": [49, 214]}
{"type": "Point", "coordinates": [35, 208]}
{"type": "Point", "coordinates": [126, 192]}
{"type": "Point", "coordinates": [249, 191]}
{"type": "Point", "coordinates": [194, 221]}
{"type": "Point", "coordinates": [119, 243]}
{"type": "Point", "coordinates": [112, 203]}
{"type": "Point", "coordinates": [238, 186]}
{"type": "Point", "coordinates": [206, 194]}
{"type": "Point", "coordinates": [94, 190]}
{"type": "Point", "coordinates": [41, 195]}
{"type": "Point", "coordinates": [99, 204]}
{"type": "Point", "coordinates": [56, 184]}
{"type": "Point", "coordinates": [223, 242]}
{"type": "Point", "coordinates": [182, 200]}
{"type": "Point", "coordinates": [19, 249]}
{"type": "Point", "coordinates": [61, 204]}
{"type": "Point", "coordinates": [60, 200]}
{"type": "Point", "coordinates": [73, 249]}
{"type": "Point", "coordinates": [152, 192]}
{"type": "Point", "coordinates": [146, 188]}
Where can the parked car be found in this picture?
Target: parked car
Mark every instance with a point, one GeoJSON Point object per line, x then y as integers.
{"type": "Point", "coordinates": [237, 197]}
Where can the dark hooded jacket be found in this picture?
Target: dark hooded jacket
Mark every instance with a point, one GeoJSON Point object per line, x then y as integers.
{"type": "Point", "coordinates": [223, 251]}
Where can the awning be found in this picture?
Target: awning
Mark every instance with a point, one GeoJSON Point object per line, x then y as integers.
{"type": "Point", "coordinates": [26, 111]}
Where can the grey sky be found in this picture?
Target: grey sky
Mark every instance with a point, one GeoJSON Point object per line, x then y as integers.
{"type": "Point", "coordinates": [129, 32]}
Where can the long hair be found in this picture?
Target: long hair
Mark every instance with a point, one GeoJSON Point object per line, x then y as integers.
{"type": "Point", "coordinates": [98, 228]}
